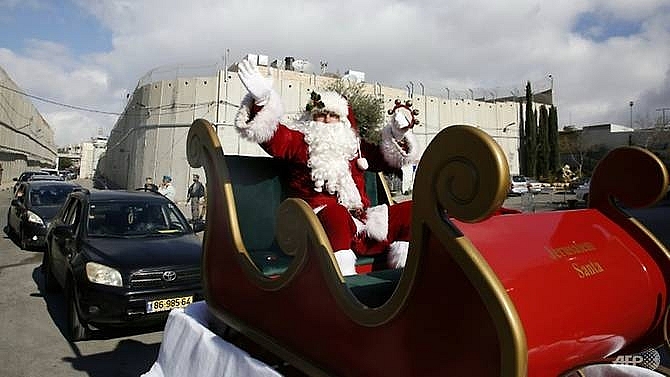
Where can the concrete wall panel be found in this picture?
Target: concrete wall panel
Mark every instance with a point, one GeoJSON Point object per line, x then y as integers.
{"type": "Point", "coordinates": [160, 148]}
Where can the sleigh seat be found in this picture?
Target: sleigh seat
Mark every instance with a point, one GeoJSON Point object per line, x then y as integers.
{"type": "Point", "coordinates": [259, 187]}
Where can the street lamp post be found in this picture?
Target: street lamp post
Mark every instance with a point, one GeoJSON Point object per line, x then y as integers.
{"type": "Point", "coordinates": [631, 113]}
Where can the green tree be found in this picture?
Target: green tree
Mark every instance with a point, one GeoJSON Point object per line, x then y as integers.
{"type": "Point", "coordinates": [530, 134]}
{"type": "Point", "coordinates": [368, 108]}
{"type": "Point", "coordinates": [543, 144]}
{"type": "Point", "coordinates": [554, 155]}
{"type": "Point", "coordinates": [64, 163]}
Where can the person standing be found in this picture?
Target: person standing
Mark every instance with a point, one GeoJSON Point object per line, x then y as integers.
{"type": "Point", "coordinates": [149, 185]}
{"type": "Point", "coordinates": [166, 188]}
{"type": "Point", "coordinates": [196, 191]}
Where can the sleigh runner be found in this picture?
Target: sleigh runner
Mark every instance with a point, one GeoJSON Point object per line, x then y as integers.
{"type": "Point", "coordinates": [480, 295]}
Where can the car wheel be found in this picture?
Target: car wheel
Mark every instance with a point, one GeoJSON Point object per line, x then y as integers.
{"type": "Point", "coordinates": [77, 329]}
{"type": "Point", "coordinates": [50, 283]}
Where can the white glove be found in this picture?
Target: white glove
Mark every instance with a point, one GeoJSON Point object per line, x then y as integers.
{"type": "Point", "coordinates": [399, 125]}
{"type": "Point", "coordinates": [258, 86]}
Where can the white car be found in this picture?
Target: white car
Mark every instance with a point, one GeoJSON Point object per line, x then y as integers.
{"type": "Point", "coordinates": [582, 191]}
{"type": "Point", "coordinates": [518, 185]}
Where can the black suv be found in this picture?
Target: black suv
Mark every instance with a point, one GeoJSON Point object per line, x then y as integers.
{"type": "Point", "coordinates": [34, 204]}
{"type": "Point", "coordinates": [122, 258]}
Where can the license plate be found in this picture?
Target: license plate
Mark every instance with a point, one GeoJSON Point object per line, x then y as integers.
{"type": "Point", "coordinates": [168, 304]}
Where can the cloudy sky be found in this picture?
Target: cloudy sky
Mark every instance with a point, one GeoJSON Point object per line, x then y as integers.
{"type": "Point", "coordinates": [600, 54]}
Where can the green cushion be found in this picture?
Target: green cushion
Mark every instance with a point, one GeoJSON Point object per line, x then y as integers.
{"type": "Point", "coordinates": [258, 192]}
{"type": "Point", "coordinates": [375, 288]}
{"type": "Point", "coordinates": [270, 262]}
{"type": "Point", "coordinates": [364, 259]}
{"type": "Point", "coordinates": [371, 187]}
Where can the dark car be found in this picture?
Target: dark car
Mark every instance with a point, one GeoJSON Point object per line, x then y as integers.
{"type": "Point", "coordinates": [122, 258]}
{"type": "Point", "coordinates": [34, 204]}
{"type": "Point", "coordinates": [25, 176]}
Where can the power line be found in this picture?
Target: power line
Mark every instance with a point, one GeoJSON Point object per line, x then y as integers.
{"type": "Point", "coordinates": [177, 107]}
{"type": "Point", "coordinates": [58, 103]}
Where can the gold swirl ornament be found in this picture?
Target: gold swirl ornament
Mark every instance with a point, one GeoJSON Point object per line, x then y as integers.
{"type": "Point", "coordinates": [471, 177]}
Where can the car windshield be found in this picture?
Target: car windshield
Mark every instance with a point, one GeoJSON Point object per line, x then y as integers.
{"type": "Point", "coordinates": [49, 195]}
{"type": "Point", "coordinates": [134, 219]}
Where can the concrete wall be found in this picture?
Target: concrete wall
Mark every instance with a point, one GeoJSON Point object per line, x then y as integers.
{"type": "Point", "coordinates": [26, 140]}
{"type": "Point", "coordinates": [149, 140]}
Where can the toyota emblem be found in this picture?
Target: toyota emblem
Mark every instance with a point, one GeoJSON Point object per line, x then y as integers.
{"type": "Point", "coordinates": [169, 275]}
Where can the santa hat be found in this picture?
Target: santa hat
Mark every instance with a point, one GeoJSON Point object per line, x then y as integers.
{"type": "Point", "coordinates": [335, 103]}
{"type": "Point", "coordinates": [328, 102]}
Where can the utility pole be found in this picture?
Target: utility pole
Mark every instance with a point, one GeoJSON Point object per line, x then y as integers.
{"type": "Point", "coordinates": [631, 103]}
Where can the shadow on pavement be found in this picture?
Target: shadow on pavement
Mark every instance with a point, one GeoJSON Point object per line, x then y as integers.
{"type": "Point", "coordinates": [56, 307]}
{"type": "Point", "coordinates": [129, 358]}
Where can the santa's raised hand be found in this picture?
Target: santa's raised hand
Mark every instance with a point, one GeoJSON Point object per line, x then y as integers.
{"type": "Point", "coordinates": [258, 86]}
{"type": "Point", "coordinates": [400, 123]}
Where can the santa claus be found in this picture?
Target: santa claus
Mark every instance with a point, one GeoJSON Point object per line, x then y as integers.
{"type": "Point", "coordinates": [327, 161]}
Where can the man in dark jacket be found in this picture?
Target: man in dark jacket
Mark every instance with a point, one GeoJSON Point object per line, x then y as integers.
{"type": "Point", "coordinates": [196, 191]}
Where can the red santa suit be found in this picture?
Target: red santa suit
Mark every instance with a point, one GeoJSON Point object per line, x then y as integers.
{"type": "Point", "coordinates": [326, 164]}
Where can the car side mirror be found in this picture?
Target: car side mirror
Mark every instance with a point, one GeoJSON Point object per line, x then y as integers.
{"type": "Point", "coordinates": [198, 226]}
{"type": "Point", "coordinates": [15, 179]}
{"type": "Point", "coordinates": [62, 231]}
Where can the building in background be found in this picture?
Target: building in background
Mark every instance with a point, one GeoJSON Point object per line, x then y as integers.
{"type": "Point", "coordinates": [582, 148]}
{"type": "Point", "coordinates": [84, 156]}
{"type": "Point", "coordinates": [149, 139]}
{"type": "Point", "coordinates": [26, 140]}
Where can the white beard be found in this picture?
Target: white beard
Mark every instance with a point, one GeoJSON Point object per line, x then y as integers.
{"type": "Point", "coordinates": [331, 147]}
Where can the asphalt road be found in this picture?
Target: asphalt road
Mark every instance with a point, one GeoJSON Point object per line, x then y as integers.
{"type": "Point", "coordinates": [32, 326]}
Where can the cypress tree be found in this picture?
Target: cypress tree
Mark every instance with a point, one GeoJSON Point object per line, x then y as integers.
{"type": "Point", "coordinates": [530, 134]}
{"type": "Point", "coordinates": [523, 148]}
{"type": "Point", "coordinates": [554, 155]}
{"type": "Point", "coordinates": [543, 143]}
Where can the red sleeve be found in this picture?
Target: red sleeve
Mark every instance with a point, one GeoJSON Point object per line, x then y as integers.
{"type": "Point", "coordinates": [375, 157]}
{"type": "Point", "coordinates": [287, 144]}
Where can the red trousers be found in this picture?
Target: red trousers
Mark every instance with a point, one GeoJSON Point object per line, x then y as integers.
{"type": "Point", "coordinates": [341, 229]}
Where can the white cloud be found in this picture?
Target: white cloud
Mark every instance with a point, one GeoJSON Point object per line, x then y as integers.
{"type": "Point", "coordinates": [72, 127]}
{"type": "Point", "coordinates": [456, 44]}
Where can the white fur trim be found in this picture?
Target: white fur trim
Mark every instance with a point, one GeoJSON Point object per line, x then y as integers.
{"type": "Point", "coordinates": [393, 153]}
{"type": "Point", "coordinates": [397, 257]}
{"type": "Point", "coordinates": [335, 103]}
{"type": "Point", "coordinates": [360, 226]}
{"type": "Point", "coordinates": [377, 222]}
{"type": "Point", "coordinates": [346, 261]}
{"type": "Point", "coordinates": [264, 124]}
{"type": "Point", "coordinates": [362, 163]}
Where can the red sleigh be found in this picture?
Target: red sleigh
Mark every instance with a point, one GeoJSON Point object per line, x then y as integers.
{"type": "Point", "coordinates": [507, 295]}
